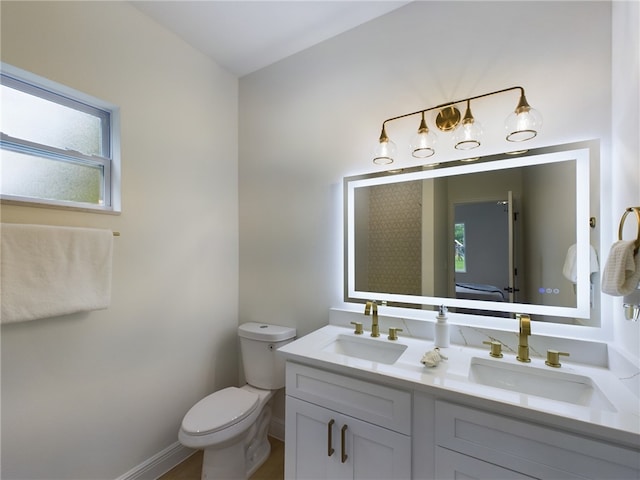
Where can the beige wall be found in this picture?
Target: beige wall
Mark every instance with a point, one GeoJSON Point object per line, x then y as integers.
{"type": "Point", "coordinates": [90, 396]}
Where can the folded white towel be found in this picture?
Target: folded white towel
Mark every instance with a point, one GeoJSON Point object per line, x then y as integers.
{"type": "Point", "coordinates": [621, 273]}
{"type": "Point", "coordinates": [570, 270]}
{"type": "Point", "coordinates": [49, 271]}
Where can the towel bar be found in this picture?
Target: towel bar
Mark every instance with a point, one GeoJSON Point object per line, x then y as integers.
{"type": "Point", "coordinates": [622, 220]}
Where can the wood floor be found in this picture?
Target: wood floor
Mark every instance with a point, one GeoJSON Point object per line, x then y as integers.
{"type": "Point", "coordinates": [272, 469]}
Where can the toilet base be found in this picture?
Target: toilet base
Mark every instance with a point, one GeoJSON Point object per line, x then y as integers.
{"type": "Point", "coordinates": [240, 460]}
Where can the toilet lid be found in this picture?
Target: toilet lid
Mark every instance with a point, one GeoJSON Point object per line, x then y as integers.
{"type": "Point", "coordinates": [219, 410]}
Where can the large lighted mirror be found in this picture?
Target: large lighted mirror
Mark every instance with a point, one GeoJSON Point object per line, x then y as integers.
{"type": "Point", "coordinates": [494, 236]}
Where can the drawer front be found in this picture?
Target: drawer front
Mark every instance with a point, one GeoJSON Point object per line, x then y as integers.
{"type": "Point", "coordinates": [453, 465]}
{"type": "Point", "coordinates": [377, 404]}
{"type": "Point", "coordinates": [528, 448]}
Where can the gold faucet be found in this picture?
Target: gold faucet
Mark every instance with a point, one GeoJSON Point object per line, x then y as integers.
{"type": "Point", "coordinates": [372, 308]}
{"type": "Point", "coordinates": [523, 341]}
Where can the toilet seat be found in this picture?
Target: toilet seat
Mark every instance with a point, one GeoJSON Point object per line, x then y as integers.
{"type": "Point", "coordinates": [220, 410]}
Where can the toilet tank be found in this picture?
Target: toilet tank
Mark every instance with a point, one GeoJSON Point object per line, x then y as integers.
{"type": "Point", "coordinates": [263, 366]}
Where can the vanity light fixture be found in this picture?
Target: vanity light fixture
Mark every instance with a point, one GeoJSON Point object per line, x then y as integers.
{"type": "Point", "coordinates": [522, 124]}
{"type": "Point", "coordinates": [467, 136]}
{"type": "Point", "coordinates": [385, 150]}
{"type": "Point", "coordinates": [424, 141]}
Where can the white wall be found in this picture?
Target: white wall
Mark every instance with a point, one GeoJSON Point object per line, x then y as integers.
{"type": "Point", "coordinates": [625, 158]}
{"type": "Point", "coordinates": [90, 396]}
{"type": "Point", "coordinates": [313, 118]}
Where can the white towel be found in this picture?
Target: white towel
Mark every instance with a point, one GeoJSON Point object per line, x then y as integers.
{"type": "Point", "coordinates": [49, 271]}
{"type": "Point", "coordinates": [570, 270]}
{"type": "Point", "coordinates": [622, 271]}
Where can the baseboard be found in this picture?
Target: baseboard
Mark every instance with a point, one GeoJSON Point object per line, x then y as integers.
{"type": "Point", "coordinates": [177, 453]}
{"type": "Point", "coordinates": [159, 464]}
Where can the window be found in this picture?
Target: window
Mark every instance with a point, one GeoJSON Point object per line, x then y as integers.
{"type": "Point", "coordinates": [459, 243]}
{"type": "Point", "coordinates": [58, 146]}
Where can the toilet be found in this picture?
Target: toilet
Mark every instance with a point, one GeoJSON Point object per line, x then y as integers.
{"type": "Point", "coordinates": [231, 424]}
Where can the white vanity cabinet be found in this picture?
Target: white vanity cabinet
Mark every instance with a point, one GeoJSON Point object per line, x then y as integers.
{"type": "Point", "coordinates": [485, 446]}
{"type": "Point", "coordinates": [338, 427]}
{"type": "Point", "coordinates": [352, 417]}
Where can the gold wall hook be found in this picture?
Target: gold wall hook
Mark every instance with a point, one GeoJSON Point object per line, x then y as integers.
{"type": "Point", "coordinates": [636, 210]}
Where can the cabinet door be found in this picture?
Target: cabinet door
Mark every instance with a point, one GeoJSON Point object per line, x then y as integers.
{"type": "Point", "coordinates": [376, 453]}
{"type": "Point", "coordinates": [456, 466]}
{"type": "Point", "coordinates": [312, 442]}
{"type": "Point", "coordinates": [323, 444]}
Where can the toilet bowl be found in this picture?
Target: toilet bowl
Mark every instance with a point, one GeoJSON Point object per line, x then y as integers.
{"type": "Point", "coordinates": [231, 425]}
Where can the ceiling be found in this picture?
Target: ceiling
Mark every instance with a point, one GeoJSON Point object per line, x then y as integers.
{"type": "Point", "coordinates": [243, 36]}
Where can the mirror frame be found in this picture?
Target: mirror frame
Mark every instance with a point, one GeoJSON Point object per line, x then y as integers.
{"type": "Point", "coordinates": [582, 153]}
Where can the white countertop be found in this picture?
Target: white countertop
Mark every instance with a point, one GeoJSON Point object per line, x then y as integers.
{"type": "Point", "coordinates": [450, 380]}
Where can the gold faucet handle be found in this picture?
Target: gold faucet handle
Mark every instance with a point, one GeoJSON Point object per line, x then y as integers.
{"type": "Point", "coordinates": [393, 333]}
{"type": "Point", "coordinates": [358, 330]}
{"type": "Point", "coordinates": [553, 358]}
{"type": "Point", "coordinates": [496, 348]}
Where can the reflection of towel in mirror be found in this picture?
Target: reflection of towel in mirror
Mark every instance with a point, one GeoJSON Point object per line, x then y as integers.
{"type": "Point", "coordinates": [622, 271]}
{"type": "Point", "coordinates": [569, 270]}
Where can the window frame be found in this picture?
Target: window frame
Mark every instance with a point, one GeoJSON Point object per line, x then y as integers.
{"type": "Point", "coordinates": [110, 163]}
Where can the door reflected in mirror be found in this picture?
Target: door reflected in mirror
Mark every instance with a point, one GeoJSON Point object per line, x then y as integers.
{"type": "Point", "coordinates": [489, 238]}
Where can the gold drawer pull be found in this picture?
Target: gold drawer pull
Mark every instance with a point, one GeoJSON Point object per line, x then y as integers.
{"type": "Point", "coordinates": [330, 449]}
{"type": "Point", "coordinates": [344, 448]}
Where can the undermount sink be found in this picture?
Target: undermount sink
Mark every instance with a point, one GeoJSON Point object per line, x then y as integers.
{"type": "Point", "coordinates": [551, 384]}
{"type": "Point", "coordinates": [364, 348]}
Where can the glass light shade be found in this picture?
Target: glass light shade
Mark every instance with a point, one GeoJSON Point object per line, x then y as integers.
{"type": "Point", "coordinates": [423, 143]}
{"type": "Point", "coordinates": [524, 125]}
{"type": "Point", "coordinates": [468, 135]}
{"type": "Point", "coordinates": [384, 152]}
